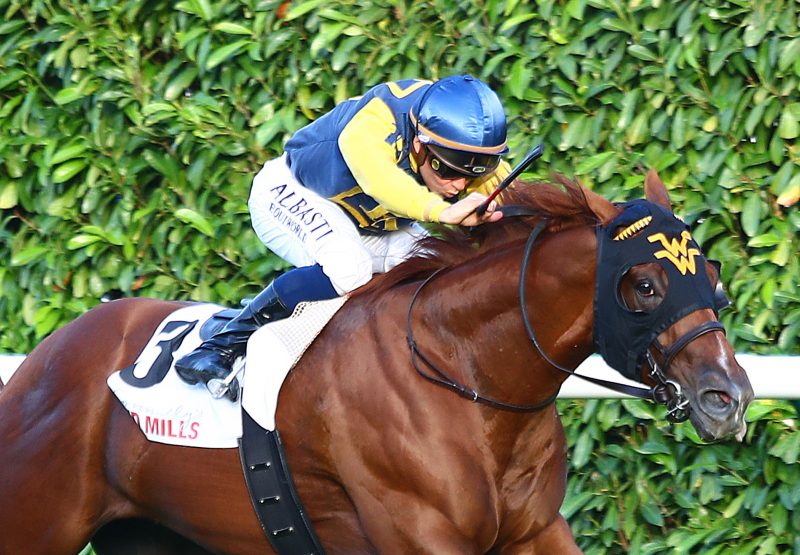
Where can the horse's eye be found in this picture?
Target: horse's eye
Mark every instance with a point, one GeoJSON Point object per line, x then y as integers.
{"type": "Point", "coordinates": [645, 289]}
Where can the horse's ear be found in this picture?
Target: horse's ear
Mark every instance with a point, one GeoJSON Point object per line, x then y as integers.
{"type": "Point", "coordinates": [655, 191]}
{"type": "Point", "coordinates": [602, 207]}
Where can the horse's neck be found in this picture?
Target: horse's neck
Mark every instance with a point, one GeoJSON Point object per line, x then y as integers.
{"type": "Point", "coordinates": [480, 316]}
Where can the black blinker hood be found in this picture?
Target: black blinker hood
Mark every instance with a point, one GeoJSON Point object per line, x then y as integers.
{"type": "Point", "coordinates": [651, 234]}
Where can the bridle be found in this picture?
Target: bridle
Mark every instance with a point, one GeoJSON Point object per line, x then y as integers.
{"type": "Point", "coordinates": [665, 391]}
{"type": "Point", "coordinates": [668, 392]}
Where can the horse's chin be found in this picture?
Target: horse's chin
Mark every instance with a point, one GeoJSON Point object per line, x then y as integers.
{"type": "Point", "coordinates": [712, 429]}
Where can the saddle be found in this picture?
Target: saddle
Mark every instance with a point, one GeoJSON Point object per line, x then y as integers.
{"type": "Point", "coordinates": [168, 410]}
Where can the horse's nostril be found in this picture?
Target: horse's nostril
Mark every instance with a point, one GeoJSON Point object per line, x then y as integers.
{"type": "Point", "coordinates": [718, 401]}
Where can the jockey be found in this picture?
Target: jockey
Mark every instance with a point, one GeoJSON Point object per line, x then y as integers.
{"type": "Point", "coordinates": [344, 200]}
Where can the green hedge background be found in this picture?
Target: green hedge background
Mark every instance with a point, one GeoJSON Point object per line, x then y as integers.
{"type": "Point", "coordinates": [130, 132]}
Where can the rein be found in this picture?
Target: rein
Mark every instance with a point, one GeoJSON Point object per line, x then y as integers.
{"type": "Point", "coordinates": [666, 392]}
{"type": "Point", "coordinates": [440, 377]}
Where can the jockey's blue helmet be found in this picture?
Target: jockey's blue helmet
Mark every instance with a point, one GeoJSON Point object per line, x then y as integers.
{"type": "Point", "coordinates": [462, 121]}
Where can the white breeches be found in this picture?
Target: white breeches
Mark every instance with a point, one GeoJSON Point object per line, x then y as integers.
{"type": "Point", "coordinates": [304, 229]}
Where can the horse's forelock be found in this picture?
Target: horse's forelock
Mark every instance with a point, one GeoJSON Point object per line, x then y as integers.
{"type": "Point", "coordinates": [562, 204]}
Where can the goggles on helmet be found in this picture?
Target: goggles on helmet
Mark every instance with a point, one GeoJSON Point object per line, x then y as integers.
{"type": "Point", "coordinates": [452, 164]}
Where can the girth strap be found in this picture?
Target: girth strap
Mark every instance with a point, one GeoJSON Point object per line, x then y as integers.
{"type": "Point", "coordinates": [273, 493]}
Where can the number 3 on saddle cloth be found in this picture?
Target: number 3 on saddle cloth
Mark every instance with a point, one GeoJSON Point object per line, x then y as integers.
{"type": "Point", "coordinates": [168, 410]}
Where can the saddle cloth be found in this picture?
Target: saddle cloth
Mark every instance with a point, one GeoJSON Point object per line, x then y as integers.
{"type": "Point", "coordinates": [168, 410]}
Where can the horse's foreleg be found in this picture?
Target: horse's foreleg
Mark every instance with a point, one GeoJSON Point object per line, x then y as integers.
{"type": "Point", "coordinates": [139, 537]}
{"type": "Point", "coordinates": [555, 538]}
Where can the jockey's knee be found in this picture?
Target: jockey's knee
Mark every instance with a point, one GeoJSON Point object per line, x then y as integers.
{"type": "Point", "coordinates": [308, 283]}
{"type": "Point", "coordinates": [350, 276]}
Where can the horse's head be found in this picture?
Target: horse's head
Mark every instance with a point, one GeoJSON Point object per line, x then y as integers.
{"type": "Point", "coordinates": [656, 305]}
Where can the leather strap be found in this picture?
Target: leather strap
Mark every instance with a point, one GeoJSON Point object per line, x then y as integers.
{"type": "Point", "coordinates": [273, 493]}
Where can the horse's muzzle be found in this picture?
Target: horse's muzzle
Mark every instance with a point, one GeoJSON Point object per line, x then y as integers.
{"type": "Point", "coordinates": [718, 408]}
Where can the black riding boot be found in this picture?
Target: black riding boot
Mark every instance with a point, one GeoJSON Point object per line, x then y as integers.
{"type": "Point", "coordinates": [215, 356]}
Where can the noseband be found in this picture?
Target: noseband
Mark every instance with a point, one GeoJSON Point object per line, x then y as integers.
{"type": "Point", "coordinates": [665, 391]}
{"type": "Point", "coordinates": [668, 392]}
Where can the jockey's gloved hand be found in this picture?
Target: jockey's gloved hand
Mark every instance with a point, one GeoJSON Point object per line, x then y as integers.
{"type": "Point", "coordinates": [464, 212]}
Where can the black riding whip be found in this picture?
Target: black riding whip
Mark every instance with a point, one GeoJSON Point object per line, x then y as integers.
{"type": "Point", "coordinates": [533, 155]}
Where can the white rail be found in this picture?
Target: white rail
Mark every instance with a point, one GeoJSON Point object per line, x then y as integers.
{"type": "Point", "coordinates": [772, 377]}
{"type": "Point", "coordinates": [9, 363]}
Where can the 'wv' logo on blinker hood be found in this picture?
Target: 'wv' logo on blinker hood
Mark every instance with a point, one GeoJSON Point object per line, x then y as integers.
{"type": "Point", "coordinates": [676, 251]}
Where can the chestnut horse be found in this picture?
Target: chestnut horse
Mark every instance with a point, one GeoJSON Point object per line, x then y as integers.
{"type": "Point", "coordinates": [385, 460]}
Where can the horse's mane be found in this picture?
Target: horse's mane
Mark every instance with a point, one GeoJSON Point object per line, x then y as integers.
{"type": "Point", "coordinates": [562, 205]}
